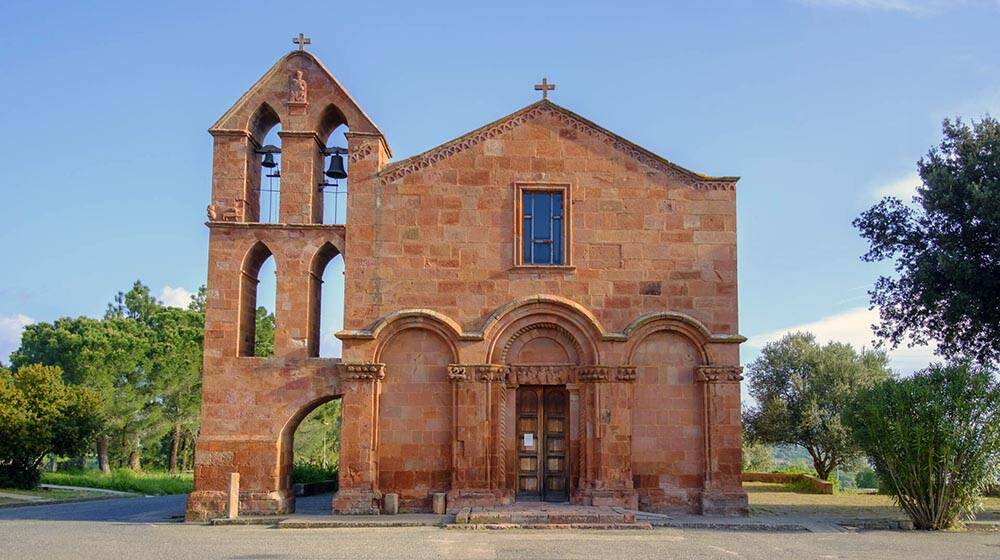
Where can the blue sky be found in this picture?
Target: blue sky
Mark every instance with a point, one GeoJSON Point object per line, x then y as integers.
{"type": "Point", "coordinates": [820, 105]}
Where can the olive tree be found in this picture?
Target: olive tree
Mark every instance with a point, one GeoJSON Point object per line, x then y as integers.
{"type": "Point", "coordinates": [801, 389]}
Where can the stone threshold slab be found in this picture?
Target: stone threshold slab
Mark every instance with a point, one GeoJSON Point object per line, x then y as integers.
{"type": "Point", "coordinates": [545, 526]}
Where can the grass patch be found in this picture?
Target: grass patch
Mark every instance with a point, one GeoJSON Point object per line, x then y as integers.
{"type": "Point", "coordinates": [12, 496]}
{"type": "Point", "coordinates": [766, 501]}
{"type": "Point", "coordinates": [146, 482]}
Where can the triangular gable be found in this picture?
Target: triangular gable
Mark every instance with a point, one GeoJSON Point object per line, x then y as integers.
{"type": "Point", "coordinates": [364, 122]}
{"type": "Point", "coordinates": [400, 169]}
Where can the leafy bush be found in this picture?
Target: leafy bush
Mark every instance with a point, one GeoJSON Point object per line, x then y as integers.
{"type": "Point", "coordinates": [125, 480]}
{"type": "Point", "coordinates": [39, 414]}
{"type": "Point", "coordinates": [311, 472]}
{"type": "Point", "coordinates": [934, 440]}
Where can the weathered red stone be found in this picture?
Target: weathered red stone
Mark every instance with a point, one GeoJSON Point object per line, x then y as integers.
{"type": "Point", "coordinates": [443, 322]}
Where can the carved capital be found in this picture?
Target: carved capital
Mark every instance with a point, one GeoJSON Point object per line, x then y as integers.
{"type": "Point", "coordinates": [719, 374]}
{"type": "Point", "coordinates": [362, 372]}
{"type": "Point", "coordinates": [594, 374]}
{"type": "Point", "coordinates": [625, 373]}
{"type": "Point", "coordinates": [458, 372]}
{"type": "Point", "coordinates": [605, 374]}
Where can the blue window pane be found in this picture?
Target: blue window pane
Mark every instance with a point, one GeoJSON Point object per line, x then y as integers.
{"type": "Point", "coordinates": [543, 228]}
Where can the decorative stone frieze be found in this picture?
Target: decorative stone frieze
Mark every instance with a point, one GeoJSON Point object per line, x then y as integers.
{"type": "Point", "coordinates": [540, 375]}
{"type": "Point", "coordinates": [478, 372]}
{"type": "Point", "coordinates": [719, 374]}
{"type": "Point", "coordinates": [369, 371]}
{"type": "Point", "coordinates": [492, 373]}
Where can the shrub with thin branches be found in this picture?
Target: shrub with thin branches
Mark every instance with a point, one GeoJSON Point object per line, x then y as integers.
{"type": "Point", "coordinates": [933, 439]}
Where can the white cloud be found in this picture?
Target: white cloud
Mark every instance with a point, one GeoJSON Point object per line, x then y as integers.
{"type": "Point", "coordinates": [854, 327]}
{"type": "Point", "coordinates": [175, 297]}
{"type": "Point", "coordinates": [904, 188]}
{"type": "Point", "coordinates": [11, 328]}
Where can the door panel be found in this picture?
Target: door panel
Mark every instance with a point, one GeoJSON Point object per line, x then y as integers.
{"type": "Point", "coordinates": [542, 467]}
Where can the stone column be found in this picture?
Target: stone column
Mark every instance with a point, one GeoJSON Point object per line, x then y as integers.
{"type": "Point", "coordinates": [723, 493]}
{"type": "Point", "coordinates": [478, 393]}
{"type": "Point", "coordinates": [606, 397]}
{"type": "Point", "coordinates": [235, 173]}
{"type": "Point", "coordinates": [300, 161]}
{"type": "Point", "coordinates": [358, 493]}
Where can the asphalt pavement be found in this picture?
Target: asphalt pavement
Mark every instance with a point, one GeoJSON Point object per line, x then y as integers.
{"type": "Point", "coordinates": [140, 528]}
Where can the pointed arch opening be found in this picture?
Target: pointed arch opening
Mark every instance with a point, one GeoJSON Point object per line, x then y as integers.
{"type": "Point", "coordinates": [258, 286]}
{"type": "Point", "coordinates": [332, 202]}
{"type": "Point", "coordinates": [326, 301]}
{"type": "Point", "coordinates": [263, 191]}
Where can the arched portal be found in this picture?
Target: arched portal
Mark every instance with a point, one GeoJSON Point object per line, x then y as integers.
{"type": "Point", "coordinates": [309, 454]}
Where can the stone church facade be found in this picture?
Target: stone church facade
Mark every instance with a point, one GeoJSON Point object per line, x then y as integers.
{"type": "Point", "coordinates": [538, 309]}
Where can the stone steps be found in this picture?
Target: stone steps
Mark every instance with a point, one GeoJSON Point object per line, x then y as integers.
{"type": "Point", "coordinates": [546, 516]}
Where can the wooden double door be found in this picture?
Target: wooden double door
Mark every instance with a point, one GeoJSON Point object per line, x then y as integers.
{"type": "Point", "coordinates": [542, 443]}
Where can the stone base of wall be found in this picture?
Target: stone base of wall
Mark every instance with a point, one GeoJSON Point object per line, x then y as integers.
{"type": "Point", "coordinates": [624, 498]}
{"type": "Point", "coordinates": [729, 502]}
{"type": "Point", "coordinates": [458, 499]}
{"type": "Point", "coordinates": [352, 501]}
{"type": "Point", "coordinates": [205, 505]}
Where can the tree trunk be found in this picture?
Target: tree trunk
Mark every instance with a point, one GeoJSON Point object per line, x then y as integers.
{"type": "Point", "coordinates": [134, 462]}
{"type": "Point", "coordinates": [175, 443]}
{"type": "Point", "coordinates": [102, 454]}
{"type": "Point", "coordinates": [185, 452]}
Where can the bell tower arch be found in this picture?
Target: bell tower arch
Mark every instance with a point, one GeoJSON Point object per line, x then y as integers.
{"type": "Point", "coordinates": [246, 398]}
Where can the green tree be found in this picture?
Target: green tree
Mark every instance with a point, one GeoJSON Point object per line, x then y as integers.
{"type": "Point", "coordinates": [946, 247]}
{"type": "Point", "coordinates": [40, 414]}
{"type": "Point", "coordinates": [933, 439]}
{"type": "Point", "coordinates": [264, 339]}
{"type": "Point", "coordinates": [757, 457]}
{"type": "Point", "coordinates": [143, 358]}
{"type": "Point", "coordinates": [108, 356]}
{"type": "Point", "coordinates": [801, 389]}
{"type": "Point", "coordinates": [175, 371]}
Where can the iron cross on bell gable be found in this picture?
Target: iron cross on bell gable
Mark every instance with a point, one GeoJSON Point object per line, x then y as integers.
{"type": "Point", "coordinates": [302, 41]}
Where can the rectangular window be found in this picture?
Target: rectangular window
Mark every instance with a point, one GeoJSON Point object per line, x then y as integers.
{"type": "Point", "coordinates": [542, 227]}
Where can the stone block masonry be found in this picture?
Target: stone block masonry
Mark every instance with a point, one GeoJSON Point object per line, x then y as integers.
{"type": "Point", "coordinates": [608, 377]}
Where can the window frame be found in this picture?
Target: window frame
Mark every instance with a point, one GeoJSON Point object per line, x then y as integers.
{"type": "Point", "coordinates": [564, 189]}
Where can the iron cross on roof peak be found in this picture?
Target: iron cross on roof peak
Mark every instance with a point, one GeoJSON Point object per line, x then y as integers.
{"type": "Point", "coordinates": [545, 87]}
{"type": "Point", "coordinates": [302, 41]}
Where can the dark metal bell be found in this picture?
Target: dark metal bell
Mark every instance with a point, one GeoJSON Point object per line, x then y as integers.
{"type": "Point", "coordinates": [336, 169]}
{"type": "Point", "coordinates": [268, 161]}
